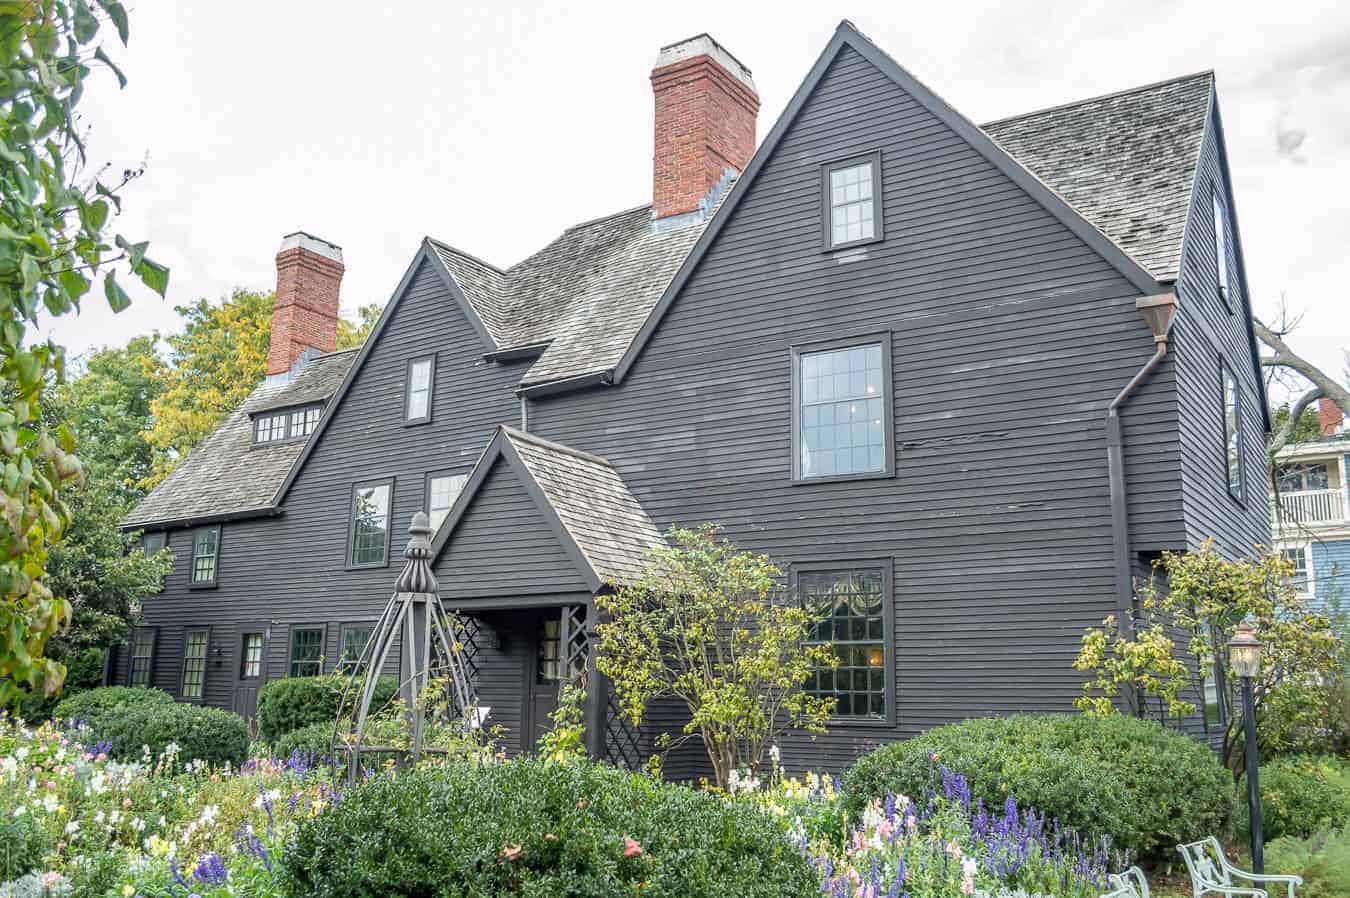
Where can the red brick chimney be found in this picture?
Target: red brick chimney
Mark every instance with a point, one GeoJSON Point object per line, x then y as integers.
{"type": "Point", "coordinates": [705, 122]}
{"type": "Point", "coordinates": [305, 316]}
{"type": "Point", "coordinates": [1329, 417]}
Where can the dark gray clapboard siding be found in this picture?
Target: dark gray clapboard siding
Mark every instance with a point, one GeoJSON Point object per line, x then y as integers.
{"type": "Point", "coordinates": [504, 547]}
{"type": "Point", "coordinates": [290, 569]}
{"type": "Point", "coordinates": [1009, 337]}
{"type": "Point", "coordinates": [1208, 330]}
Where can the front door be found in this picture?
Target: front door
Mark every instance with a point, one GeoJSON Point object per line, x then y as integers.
{"type": "Point", "coordinates": [250, 672]}
{"type": "Point", "coordinates": [547, 670]}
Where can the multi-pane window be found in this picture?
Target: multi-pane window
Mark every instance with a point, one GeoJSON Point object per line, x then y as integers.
{"type": "Point", "coordinates": [1297, 478]}
{"type": "Point", "coordinates": [850, 606]}
{"type": "Point", "coordinates": [306, 651]}
{"type": "Point", "coordinates": [548, 664]}
{"type": "Point", "coordinates": [250, 656]}
{"type": "Point", "coordinates": [269, 428]}
{"type": "Point", "coordinates": [417, 405]}
{"type": "Point", "coordinates": [1298, 559]}
{"type": "Point", "coordinates": [354, 639]}
{"type": "Point", "coordinates": [853, 201]}
{"type": "Point", "coordinates": [1220, 243]}
{"type": "Point", "coordinates": [153, 542]}
{"type": "Point", "coordinates": [205, 554]}
{"type": "Point", "coordinates": [442, 490]}
{"type": "Point", "coordinates": [841, 411]}
{"type": "Point", "coordinates": [194, 663]}
{"type": "Point", "coordinates": [142, 656]}
{"type": "Point", "coordinates": [303, 421]}
{"type": "Point", "coordinates": [1232, 432]}
{"type": "Point", "coordinates": [370, 523]}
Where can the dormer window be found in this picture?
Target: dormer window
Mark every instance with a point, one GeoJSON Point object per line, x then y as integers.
{"type": "Point", "coordinates": [417, 398]}
{"type": "Point", "coordinates": [852, 201]}
{"type": "Point", "coordinates": [291, 424]}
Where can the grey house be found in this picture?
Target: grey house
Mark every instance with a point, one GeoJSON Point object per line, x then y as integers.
{"type": "Point", "coordinates": [887, 346]}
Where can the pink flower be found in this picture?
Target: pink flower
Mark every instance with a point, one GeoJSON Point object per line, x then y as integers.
{"type": "Point", "coordinates": [631, 848]}
{"type": "Point", "coordinates": [512, 852]}
{"type": "Point", "coordinates": [126, 802]}
{"type": "Point", "coordinates": [953, 849]}
{"type": "Point", "coordinates": [967, 886]}
{"type": "Point", "coordinates": [50, 879]}
{"type": "Point", "coordinates": [50, 785]}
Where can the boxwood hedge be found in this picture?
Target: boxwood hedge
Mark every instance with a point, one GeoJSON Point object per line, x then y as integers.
{"type": "Point", "coordinates": [528, 827]}
{"type": "Point", "coordinates": [1146, 787]}
{"type": "Point", "coordinates": [294, 702]}
{"type": "Point", "coordinates": [88, 706]}
{"type": "Point", "coordinates": [207, 734]}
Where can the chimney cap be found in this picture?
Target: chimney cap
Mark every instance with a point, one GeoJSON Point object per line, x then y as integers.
{"type": "Point", "coordinates": [704, 45]}
{"type": "Point", "coordinates": [306, 240]}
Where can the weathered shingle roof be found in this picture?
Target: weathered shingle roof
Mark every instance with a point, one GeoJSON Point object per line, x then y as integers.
{"type": "Point", "coordinates": [227, 474]}
{"type": "Point", "coordinates": [1125, 161]}
{"type": "Point", "coordinates": [606, 522]}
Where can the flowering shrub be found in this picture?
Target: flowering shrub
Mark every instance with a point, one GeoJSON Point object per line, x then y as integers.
{"type": "Point", "coordinates": [153, 827]}
{"type": "Point", "coordinates": [943, 843]}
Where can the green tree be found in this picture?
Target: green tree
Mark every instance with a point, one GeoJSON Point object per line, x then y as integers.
{"type": "Point", "coordinates": [352, 334]}
{"type": "Point", "coordinates": [218, 359]}
{"type": "Point", "coordinates": [1206, 597]}
{"type": "Point", "coordinates": [107, 405]}
{"type": "Point", "coordinates": [707, 625]}
{"type": "Point", "coordinates": [1304, 430]}
{"type": "Point", "coordinates": [54, 244]}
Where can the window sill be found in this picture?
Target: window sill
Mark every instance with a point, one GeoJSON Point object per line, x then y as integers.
{"type": "Point", "coordinates": [204, 585]}
{"type": "Point", "coordinates": [366, 567]}
{"type": "Point", "coordinates": [843, 478]}
{"type": "Point", "coordinates": [853, 244]}
{"type": "Point", "coordinates": [859, 722]}
{"type": "Point", "coordinates": [414, 422]}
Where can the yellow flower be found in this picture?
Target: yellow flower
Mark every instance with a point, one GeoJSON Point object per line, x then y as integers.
{"type": "Point", "coordinates": [128, 890]}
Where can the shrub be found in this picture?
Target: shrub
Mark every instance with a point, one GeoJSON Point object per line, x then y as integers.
{"type": "Point", "coordinates": [88, 706]}
{"type": "Point", "coordinates": [1322, 859]}
{"type": "Point", "coordinates": [22, 846]}
{"type": "Point", "coordinates": [1146, 787]}
{"type": "Point", "coordinates": [312, 741]}
{"type": "Point", "coordinates": [207, 734]}
{"type": "Point", "coordinates": [534, 828]}
{"type": "Point", "coordinates": [1301, 795]}
{"type": "Point", "coordinates": [294, 702]}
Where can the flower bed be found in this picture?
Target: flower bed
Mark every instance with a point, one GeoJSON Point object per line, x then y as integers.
{"type": "Point", "coordinates": [939, 844]}
{"type": "Point", "coordinates": [156, 827]}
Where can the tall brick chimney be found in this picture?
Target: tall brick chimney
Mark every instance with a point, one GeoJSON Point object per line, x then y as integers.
{"type": "Point", "coordinates": [305, 316]}
{"type": "Point", "coordinates": [705, 122]}
{"type": "Point", "coordinates": [1329, 417]}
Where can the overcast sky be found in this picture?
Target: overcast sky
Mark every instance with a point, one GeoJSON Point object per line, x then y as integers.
{"type": "Point", "coordinates": [494, 127]}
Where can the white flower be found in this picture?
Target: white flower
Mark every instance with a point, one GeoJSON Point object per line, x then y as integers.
{"type": "Point", "coordinates": [9, 766]}
{"type": "Point", "coordinates": [209, 813]}
{"type": "Point", "coordinates": [21, 753]}
{"type": "Point", "coordinates": [50, 803]}
{"type": "Point", "coordinates": [73, 827]}
{"type": "Point", "coordinates": [968, 868]}
{"type": "Point", "coordinates": [774, 754]}
{"type": "Point", "coordinates": [99, 817]}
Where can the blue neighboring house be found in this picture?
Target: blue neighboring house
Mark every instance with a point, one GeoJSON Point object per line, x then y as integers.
{"type": "Point", "coordinates": [1311, 511]}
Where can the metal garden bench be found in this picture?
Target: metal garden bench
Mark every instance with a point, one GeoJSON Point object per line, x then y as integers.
{"type": "Point", "coordinates": [1212, 873]}
{"type": "Point", "coordinates": [1128, 884]}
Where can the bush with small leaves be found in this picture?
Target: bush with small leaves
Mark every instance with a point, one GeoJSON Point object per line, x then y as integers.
{"type": "Point", "coordinates": [294, 702]}
{"type": "Point", "coordinates": [1300, 795]}
{"type": "Point", "coordinates": [203, 734]}
{"type": "Point", "coordinates": [529, 827]}
{"type": "Point", "coordinates": [88, 706]}
{"type": "Point", "coordinates": [22, 845]}
{"type": "Point", "coordinates": [1146, 787]}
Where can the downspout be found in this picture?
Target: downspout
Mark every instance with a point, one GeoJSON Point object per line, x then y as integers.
{"type": "Point", "coordinates": [1157, 312]}
{"type": "Point", "coordinates": [524, 414]}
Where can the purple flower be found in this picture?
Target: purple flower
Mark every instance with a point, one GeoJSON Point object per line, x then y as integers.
{"type": "Point", "coordinates": [210, 870]}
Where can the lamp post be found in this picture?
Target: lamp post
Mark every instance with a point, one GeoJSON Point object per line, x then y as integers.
{"type": "Point", "coordinates": [1244, 657]}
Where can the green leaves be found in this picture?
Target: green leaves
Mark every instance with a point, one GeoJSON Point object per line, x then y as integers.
{"type": "Point", "coordinates": [117, 297]}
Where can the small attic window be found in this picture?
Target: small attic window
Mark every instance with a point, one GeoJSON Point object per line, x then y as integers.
{"type": "Point", "coordinates": [851, 201]}
{"type": "Point", "coordinates": [417, 390]}
{"type": "Point", "coordinates": [291, 424]}
{"type": "Point", "coordinates": [1221, 245]}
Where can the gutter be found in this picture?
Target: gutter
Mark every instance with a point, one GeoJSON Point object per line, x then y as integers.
{"type": "Point", "coordinates": [567, 385]}
{"type": "Point", "coordinates": [270, 511]}
{"type": "Point", "coordinates": [1157, 312]}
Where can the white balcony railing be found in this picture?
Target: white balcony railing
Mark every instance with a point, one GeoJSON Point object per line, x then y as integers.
{"type": "Point", "coordinates": [1313, 507]}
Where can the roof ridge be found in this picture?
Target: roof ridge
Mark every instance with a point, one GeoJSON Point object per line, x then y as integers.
{"type": "Point", "coordinates": [1098, 98]}
{"type": "Point", "coordinates": [526, 437]}
{"type": "Point", "coordinates": [333, 352]}
{"type": "Point", "coordinates": [600, 218]}
{"type": "Point", "coordinates": [441, 244]}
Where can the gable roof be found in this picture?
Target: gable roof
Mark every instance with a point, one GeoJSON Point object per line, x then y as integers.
{"type": "Point", "coordinates": [227, 476]}
{"type": "Point", "coordinates": [1126, 161]}
{"type": "Point", "coordinates": [598, 522]}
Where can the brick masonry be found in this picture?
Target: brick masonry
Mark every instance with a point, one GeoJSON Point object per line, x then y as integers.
{"type": "Point", "coordinates": [306, 311]}
{"type": "Point", "coordinates": [705, 123]}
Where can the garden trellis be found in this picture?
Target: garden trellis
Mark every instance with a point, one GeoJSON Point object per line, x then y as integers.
{"type": "Point", "coordinates": [436, 677]}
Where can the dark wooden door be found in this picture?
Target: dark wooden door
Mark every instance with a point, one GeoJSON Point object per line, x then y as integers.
{"type": "Point", "coordinates": [251, 669]}
{"type": "Point", "coordinates": [542, 700]}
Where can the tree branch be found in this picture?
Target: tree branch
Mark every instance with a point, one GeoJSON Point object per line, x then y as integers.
{"type": "Point", "coordinates": [1286, 433]}
{"type": "Point", "coordinates": [1284, 357]}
